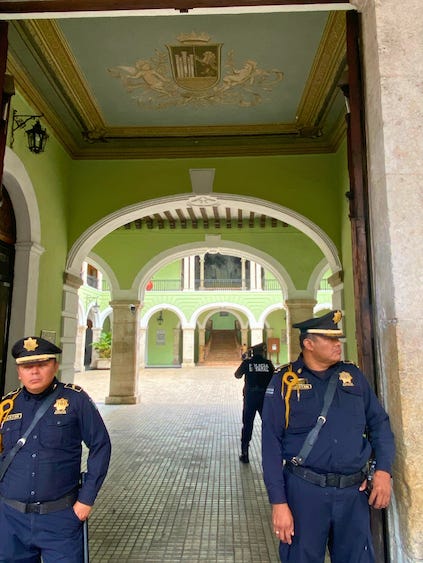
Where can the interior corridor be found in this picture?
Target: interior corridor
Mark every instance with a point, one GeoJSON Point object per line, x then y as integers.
{"type": "Point", "coordinates": [176, 491]}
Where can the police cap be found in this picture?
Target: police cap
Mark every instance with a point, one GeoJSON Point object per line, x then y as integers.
{"type": "Point", "coordinates": [259, 348]}
{"type": "Point", "coordinates": [327, 325]}
{"type": "Point", "coordinates": [33, 349]}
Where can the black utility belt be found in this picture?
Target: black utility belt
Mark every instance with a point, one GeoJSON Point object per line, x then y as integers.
{"type": "Point", "coordinates": [326, 479]}
{"type": "Point", "coordinates": [42, 507]}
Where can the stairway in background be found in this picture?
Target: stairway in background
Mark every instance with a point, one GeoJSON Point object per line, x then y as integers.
{"type": "Point", "coordinates": [224, 349]}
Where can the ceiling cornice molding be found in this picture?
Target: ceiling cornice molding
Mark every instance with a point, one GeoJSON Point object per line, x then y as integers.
{"type": "Point", "coordinates": [292, 147]}
{"type": "Point", "coordinates": [329, 57]}
{"type": "Point", "coordinates": [26, 89]}
{"type": "Point", "coordinates": [64, 68]}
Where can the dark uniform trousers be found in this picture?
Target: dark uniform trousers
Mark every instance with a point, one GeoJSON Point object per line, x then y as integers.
{"type": "Point", "coordinates": [58, 535]}
{"type": "Point", "coordinates": [319, 512]}
{"type": "Point", "coordinates": [253, 403]}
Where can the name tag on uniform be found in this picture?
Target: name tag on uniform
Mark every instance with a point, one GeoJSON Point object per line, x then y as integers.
{"type": "Point", "coordinates": [302, 384]}
{"type": "Point", "coordinates": [14, 416]}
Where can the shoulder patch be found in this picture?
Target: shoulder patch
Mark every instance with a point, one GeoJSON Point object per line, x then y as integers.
{"type": "Point", "coordinates": [72, 386]}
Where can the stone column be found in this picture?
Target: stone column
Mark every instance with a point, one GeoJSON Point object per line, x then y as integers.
{"type": "Point", "coordinates": [192, 273]}
{"type": "Point", "coordinates": [185, 265]}
{"type": "Point", "coordinates": [243, 274]}
{"type": "Point", "coordinates": [142, 347]}
{"type": "Point", "coordinates": [297, 310]}
{"type": "Point", "coordinates": [80, 348]}
{"type": "Point", "coordinates": [252, 275]}
{"type": "Point", "coordinates": [96, 336]}
{"type": "Point", "coordinates": [188, 347]}
{"type": "Point", "coordinates": [256, 335]}
{"type": "Point", "coordinates": [125, 346]}
{"type": "Point", "coordinates": [258, 276]}
{"type": "Point", "coordinates": [244, 336]}
{"type": "Point", "coordinates": [201, 271]}
{"type": "Point", "coordinates": [393, 69]}
{"type": "Point", "coordinates": [176, 342]}
{"type": "Point", "coordinates": [69, 325]}
{"type": "Point", "coordinates": [201, 344]}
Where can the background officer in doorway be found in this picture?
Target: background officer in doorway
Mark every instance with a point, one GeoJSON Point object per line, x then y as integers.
{"type": "Point", "coordinates": [42, 508]}
{"type": "Point", "coordinates": [321, 424]}
{"type": "Point", "coordinates": [258, 372]}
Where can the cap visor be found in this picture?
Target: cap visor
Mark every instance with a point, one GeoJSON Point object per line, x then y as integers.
{"type": "Point", "coordinates": [35, 359]}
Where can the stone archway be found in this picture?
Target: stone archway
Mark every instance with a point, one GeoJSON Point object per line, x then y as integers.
{"type": "Point", "coordinates": [28, 250]}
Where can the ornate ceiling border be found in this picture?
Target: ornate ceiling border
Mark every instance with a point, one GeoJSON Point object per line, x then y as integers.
{"type": "Point", "coordinates": [176, 142]}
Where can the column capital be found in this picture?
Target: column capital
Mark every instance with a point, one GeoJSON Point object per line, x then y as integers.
{"type": "Point", "coordinates": [336, 279]}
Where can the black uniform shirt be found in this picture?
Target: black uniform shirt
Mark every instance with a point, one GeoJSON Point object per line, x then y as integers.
{"type": "Point", "coordinates": [258, 372]}
{"type": "Point", "coordinates": [48, 466]}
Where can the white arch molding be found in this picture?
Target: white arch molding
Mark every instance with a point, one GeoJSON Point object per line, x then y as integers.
{"type": "Point", "coordinates": [28, 250]}
{"type": "Point", "coordinates": [82, 247]}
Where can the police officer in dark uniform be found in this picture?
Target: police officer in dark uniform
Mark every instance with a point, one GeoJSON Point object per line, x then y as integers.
{"type": "Point", "coordinates": [318, 493]}
{"type": "Point", "coordinates": [42, 508]}
{"type": "Point", "coordinates": [258, 372]}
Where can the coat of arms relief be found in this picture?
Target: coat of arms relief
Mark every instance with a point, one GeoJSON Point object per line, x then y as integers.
{"type": "Point", "coordinates": [192, 72]}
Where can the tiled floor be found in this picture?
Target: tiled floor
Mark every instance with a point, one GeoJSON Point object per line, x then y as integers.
{"type": "Point", "coordinates": [176, 491]}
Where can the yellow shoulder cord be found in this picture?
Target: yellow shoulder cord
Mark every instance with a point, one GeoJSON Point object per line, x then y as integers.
{"type": "Point", "coordinates": [5, 407]}
{"type": "Point", "coordinates": [289, 381]}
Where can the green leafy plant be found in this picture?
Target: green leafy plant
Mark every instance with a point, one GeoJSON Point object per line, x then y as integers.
{"type": "Point", "coordinates": [103, 345]}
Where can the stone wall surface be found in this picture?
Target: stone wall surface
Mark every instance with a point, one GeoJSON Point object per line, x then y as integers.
{"type": "Point", "coordinates": [393, 64]}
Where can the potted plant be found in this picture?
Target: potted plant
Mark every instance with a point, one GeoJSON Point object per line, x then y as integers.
{"type": "Point", "coordinates": [103, 347]}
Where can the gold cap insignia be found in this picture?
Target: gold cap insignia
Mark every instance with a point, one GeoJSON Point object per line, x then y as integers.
{"type": "Point", "coordinates": [30, 344]}
{"type": "Point", "coordinates": [61, 405]}
{"type": "Point", "coordinates": [346, 378]}
{"type": "Point", "coordinates": [337, 317]}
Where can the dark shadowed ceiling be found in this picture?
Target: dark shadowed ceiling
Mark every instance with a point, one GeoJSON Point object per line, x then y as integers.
{"type": "Point", "coordinates": [185, 85]}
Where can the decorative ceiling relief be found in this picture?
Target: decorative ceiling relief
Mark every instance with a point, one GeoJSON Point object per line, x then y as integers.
{"type": "Point", "coordinates": [192, 72]}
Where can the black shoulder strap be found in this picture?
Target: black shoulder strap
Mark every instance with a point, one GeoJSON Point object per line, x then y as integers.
{"type": "Point", "coordinates": [314, 432]}
{"type": "Point", "coordinates": [42, 409]}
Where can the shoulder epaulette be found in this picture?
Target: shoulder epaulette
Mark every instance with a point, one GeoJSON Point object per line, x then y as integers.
{"type": "Point", "coordinates": [72, 386]}
{"type": "Point", "coordinates": [281, 368]}
{"type": "Point", "coordinates": [350, 363]}
{"type": "Point", "coordinates": [11, 393]}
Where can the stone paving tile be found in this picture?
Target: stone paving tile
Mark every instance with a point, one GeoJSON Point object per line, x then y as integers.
{"type": "Point", "coordinates": [176, 491]}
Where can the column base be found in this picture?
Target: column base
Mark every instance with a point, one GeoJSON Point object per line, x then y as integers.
{"type": "Point", "coordinates": [188, 365]}
{"type": "Point", "coordinates": [122, 400]}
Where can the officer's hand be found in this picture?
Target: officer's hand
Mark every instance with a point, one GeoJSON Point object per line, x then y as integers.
{"type": "Point", "coordinates": [283, 522]}
{"type": "Point", "coordinates": [381, 491]}
{"type": "Point", "coordinates": [82, 510]}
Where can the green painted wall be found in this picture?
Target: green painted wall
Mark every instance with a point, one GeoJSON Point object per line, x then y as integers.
{"type": "Point", "coordinates": [49, 173]}
{"type": "Point", "coordinates": [305, 184]}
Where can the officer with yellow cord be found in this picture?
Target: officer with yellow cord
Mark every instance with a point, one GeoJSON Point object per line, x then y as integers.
{"type": "Point", "coordinates": [43, 424]}
{"type": "Point", "coordinates": [322, 423]}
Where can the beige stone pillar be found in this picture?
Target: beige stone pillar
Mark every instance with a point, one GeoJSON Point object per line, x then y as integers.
{"type": "Point", "coordinates": [80, 348]}
{"type": "Point", "coordinates": [69, 326]}
{"type": "Point", "coordinates": [176, 342]}
{"type": "Point", "coordinates": [244, 336]}
{"type": "Point", "coordinates": [201, 344]}
{"type": "Point", "coordinates": [393, 69]}
{"type": "Point", "coordinates": [188, 347]}
{"type": "Point", "coordinates": [142, 347]}
{"type": "Point", "coordinates": [297, 310]}
{"type": "Point", "coordinates": [256, 335]}
{"type": "Point", "coordinates": [201, 271]}
{"type": "Point", "coordinates": [124, 366]}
